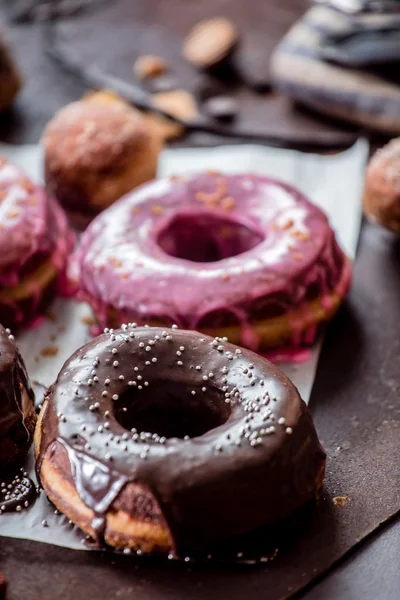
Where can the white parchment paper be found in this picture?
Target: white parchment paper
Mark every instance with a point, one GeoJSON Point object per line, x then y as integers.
{"type": "Point", "coordinates": [333, 182]}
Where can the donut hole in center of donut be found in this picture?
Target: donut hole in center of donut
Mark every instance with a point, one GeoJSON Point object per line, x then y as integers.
{"type": "Point", "coordinates": [206, 237]}
{"type": "Point", "coordinates": [170, 409]}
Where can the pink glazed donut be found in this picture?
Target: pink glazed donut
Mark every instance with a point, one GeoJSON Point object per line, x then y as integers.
{"type": "Point", "coordinates": [34, 244]}
{"type": "Point", "coordinates": [239, 256]}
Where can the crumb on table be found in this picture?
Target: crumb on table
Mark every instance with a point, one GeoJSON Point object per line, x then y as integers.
{"type": "Point", "coordinates": [49, 351]}
{"type": "Point", "coordinates": [341, 500]}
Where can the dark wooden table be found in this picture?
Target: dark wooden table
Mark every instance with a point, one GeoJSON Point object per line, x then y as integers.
{"type": "Point", "coordinates": [359, 367]}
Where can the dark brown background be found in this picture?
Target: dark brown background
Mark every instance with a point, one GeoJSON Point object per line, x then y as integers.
{"type": "Point", "coordinates": [355, 399]}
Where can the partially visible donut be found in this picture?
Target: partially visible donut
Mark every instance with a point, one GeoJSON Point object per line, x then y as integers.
{"type": "Point", "coordinates": [34, 244]}
{"type": "Point", "coordinates": [3, 585]}
{"type": "Point", "coordinates": [10, 78]}
{"type": "Point", "coordinates": [96, 150]}
{"type": "Point", "coordinates": [239, 256]}
{"type": "Point", "coordinates": [169, 440]}
{"type": "Point", "coordinates": [381, 197]}
{"type": "Point", "coordinates": [17, 413]}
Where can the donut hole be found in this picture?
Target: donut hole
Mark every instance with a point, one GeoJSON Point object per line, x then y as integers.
{"type": "Point", "coordinates": [168, 408]}
{"type": "Point", "coordinates": [206, 237]}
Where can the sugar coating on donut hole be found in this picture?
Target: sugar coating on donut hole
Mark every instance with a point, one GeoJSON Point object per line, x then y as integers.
{"type": "Point", "coordinates": [96, 150]}
{"type": "Point", "coordinates": [165, 440]}
{"type": "Point", "coordinates": [381, 198]}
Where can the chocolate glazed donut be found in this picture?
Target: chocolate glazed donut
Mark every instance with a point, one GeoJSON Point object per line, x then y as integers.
{"type": "Point", "coordinates": [17, 414]}
{"type": "Point", "coordinates": [170, 440]}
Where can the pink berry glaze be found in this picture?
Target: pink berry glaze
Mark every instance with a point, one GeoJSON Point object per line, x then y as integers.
{"type": "Point", "coordinates": [33, 233]}
{"type": "Point", "coordinates": [209, 251]}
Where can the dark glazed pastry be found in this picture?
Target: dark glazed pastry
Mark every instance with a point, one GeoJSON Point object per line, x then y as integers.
{"type": "Point", "coordinates": [239, 256]}
{"type": "Point", "coordinates": [96, 150]}
{"type": "Point", "coordinates": [17, 413]}
{"type": "Point", "coordinates": [381, 198]}
{"type": "Point", "coordinates": [168, 440]}
{"type": "Point", "coordinates": [10, 80]}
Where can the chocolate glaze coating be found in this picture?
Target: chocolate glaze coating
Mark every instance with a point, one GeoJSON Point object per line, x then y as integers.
{"type": "Point", "coordinates": [18, 493]}
{"type": "Point", "coordinates": [15, 431]}
{"type": "Point", "coordinates": [252, 458]}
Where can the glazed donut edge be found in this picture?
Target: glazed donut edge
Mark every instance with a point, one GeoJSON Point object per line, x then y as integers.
{"type": "Point", "coordinates": [17, 413]}
{"type": "Point", "coordinates": [174, 493]}
{"type": "Point", "coordinates": [35, 242]}
{"type": "Point", "coordinates": [240, 256]}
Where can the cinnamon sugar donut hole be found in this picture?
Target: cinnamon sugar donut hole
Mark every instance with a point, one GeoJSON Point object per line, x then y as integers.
{"type": "Point", "coordinates": [381, 199]}
{"type": "Point", "coordinates": [95, 151]}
